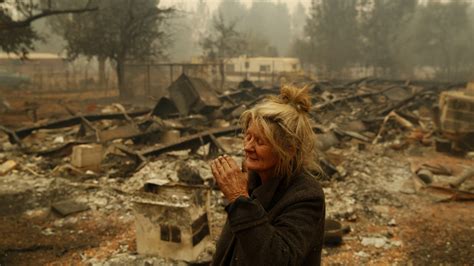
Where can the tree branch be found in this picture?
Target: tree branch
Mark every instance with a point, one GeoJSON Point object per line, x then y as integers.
{"type": "Point", "coordinates": [27, 22]}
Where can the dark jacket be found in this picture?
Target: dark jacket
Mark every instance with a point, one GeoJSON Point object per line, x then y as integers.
{"type": "Point", "coordinates": [282, 223]}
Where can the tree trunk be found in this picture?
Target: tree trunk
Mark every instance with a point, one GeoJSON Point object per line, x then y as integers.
{"type": "Point", "coordinates": [101, 71]}
{"type": "Point", "coordinates": [222, 72]}
{"type": "Point", "coordinates": [120, 78]}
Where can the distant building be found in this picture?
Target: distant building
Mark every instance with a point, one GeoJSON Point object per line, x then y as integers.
{"type": "Point", "coordinates": [44, 70]}
{"type": "Point", "coordinates": [263, 69]}
{"type": "Point", "coordinates": [13, 63]}
{"type": "Point", "coordinates": [49, 71]}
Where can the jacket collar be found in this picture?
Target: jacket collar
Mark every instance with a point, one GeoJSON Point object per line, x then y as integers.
{"type": "Point", "coordinates": [263, 192]}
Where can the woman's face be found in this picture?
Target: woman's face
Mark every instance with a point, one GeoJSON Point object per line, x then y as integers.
{"type": "Point", "coordinates": [259, 154]}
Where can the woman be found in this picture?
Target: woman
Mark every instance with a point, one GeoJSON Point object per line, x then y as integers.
{"type": "Point", "coordinates": [276, 210]}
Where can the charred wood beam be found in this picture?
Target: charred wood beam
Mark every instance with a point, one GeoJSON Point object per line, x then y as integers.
{"type": "Point", "coordinates": [72, 121]}
{"type": "Point", "coordinates": [145, 131]}
{"type": "Point", "coordinates": [127, 132]}
{"type": "Point", "coordinates": [59, 151]}
{"type": "Point", "coordinates": [401, 120]}
{"type": "Point", "coordinates": [85, 122]}
{"type": "Point", "coordinates": [121, 132]}
{"type": "Point", "coordinates": [140, 160]}
{"type": "Point", "coordinates": [351, 134]}
{"type": "Point", "coordinates": [356, 82]}
{"type": "Point", "coordinates": [124, 112]}
{"type": "Point", "coordinates": [399, 104]}
{"type": "Point", "coordinates": [228, 98]}
{"type": "Point", "coordinates": [60, 250]}
{"type": "Point", "coordinates": [217, 143]}
{"type": "Point", "coordinates": [104, 136]}
{"type": "Point", "coordinates": [336, 84]}
{"type": "Point", "coordinates": [423, 83]}
{"type": "Point", "coordinates": [252, 103]}
{"type": "Point", "coordinates": [12, 136]}
{"type": "Point", "coordinates": [321, 106]}
{"type": "Point", "coordinates": [191, 141]}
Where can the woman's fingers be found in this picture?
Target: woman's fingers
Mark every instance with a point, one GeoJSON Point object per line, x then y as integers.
{"type": "Point", "coordinates": [223, 161]}
{"type": "Point", "coordinates": [213, 168]}
{"type": "Point", "coordinates": [231, 162]}
{"type": "Point", "coordinates": [224, 168]}
{"type": "Point", "coordinates": [216, 169]}
{"type": "Point", "coordinates": [228, 177]}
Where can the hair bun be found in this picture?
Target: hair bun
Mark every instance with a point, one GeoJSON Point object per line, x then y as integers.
{"type": "Point", "coordinates": [296, 97]}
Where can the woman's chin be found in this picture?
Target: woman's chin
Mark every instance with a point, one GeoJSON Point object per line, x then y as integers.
{"type": "Point", "coordinates": [250, 166]}
{"type": "Point", "coordinates": [254, 168]}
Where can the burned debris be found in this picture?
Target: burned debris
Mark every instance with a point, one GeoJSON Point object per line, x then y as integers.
{"type": "Point", "coordinates": [381, 144]}
{"type": "Point", "coordinates": [174, 224]}
{"type": "Point", "coordinates": [112, 112]}
{"type": "Point", "coordinates": [193, 95]}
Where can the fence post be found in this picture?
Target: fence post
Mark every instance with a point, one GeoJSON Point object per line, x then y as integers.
{"type": "Point", "coordinates": [171, 74]}
{"type": "Point", "coordinates": [148, 79]}
{"type": "Point", "coordinates": [273, 71]}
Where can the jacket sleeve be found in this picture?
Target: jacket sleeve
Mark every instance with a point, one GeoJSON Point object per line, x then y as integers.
{"type": "Point", "coordinates": [284, 242]}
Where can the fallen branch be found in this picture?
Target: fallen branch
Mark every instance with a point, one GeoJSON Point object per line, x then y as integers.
{"type": "Point", "coordinates": [10, 24]}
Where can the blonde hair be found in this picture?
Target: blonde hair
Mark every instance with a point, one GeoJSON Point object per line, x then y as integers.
{"type": "Point", "coordinates": [284, 120]}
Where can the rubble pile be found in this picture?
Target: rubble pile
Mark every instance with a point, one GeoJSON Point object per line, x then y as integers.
{"type": "Point", "coordinates": [373, 140]}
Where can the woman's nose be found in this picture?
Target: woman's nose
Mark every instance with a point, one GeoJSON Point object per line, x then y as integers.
{"type": "Point", "coordinates": [249, 146]}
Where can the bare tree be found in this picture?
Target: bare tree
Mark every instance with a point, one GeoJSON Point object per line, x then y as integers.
{"type": "Point", "coordinates": [222, 43]}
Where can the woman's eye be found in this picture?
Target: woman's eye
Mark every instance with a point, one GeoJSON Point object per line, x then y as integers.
{"type": "Point", "coordinates": [247, 138]}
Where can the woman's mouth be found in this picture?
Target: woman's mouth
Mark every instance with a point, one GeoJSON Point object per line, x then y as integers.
{"type": "Point", "coordinates": [251, 158]}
